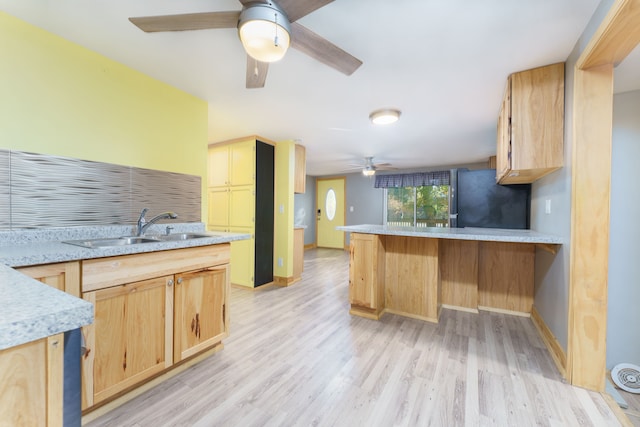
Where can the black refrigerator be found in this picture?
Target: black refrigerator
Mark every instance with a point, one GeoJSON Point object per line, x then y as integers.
{"type": "Point", "coordinates": [477, 201]}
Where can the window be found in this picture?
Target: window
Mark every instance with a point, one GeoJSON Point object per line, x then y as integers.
{"type": "Point", "coordinates": [416, 200]}
{"type": "Point", "coordinates": [423, 206]}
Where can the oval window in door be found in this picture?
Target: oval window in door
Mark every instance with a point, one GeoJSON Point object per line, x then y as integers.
{"type": "Point", "coordinates": [330, 204]}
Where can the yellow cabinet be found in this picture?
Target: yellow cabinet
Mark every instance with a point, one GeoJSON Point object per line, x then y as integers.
{"type": "Point", "coordinates": [129, 334]}
{"type": "Point", "coordinates": [530, 131]}
{"type": "Point", "coordinates": [218, 166]}
{"type": "Point", "coordinates": [242, 254]}
{"type": "Point", "coordinates": [218, 208]}
{"type": "Point", "coordinates": [31, 383]}
{"type": "Point", "coordinates": [242, 210]}
{"type": "Point", "coordinates": [200, 315]}
{"type": "Point", "coordinates": [243, 201]}
{"type": "Point", "coordinates": [232, 164]}
{"type": "Point", "coordinates": [366, 275]}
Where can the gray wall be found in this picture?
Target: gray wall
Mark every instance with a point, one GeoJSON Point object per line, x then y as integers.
{"type": "Point", "coordinates": [624, 253]}
{"type": "Point", "coordinates": [552, 272]}
{"type": "Point", "coordinates": [367, 201]}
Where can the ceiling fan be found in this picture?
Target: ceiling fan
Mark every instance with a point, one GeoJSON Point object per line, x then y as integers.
{"type": "Point", "coordinates": [369, 168]}
{"type": "Point", "coordinates": [277, 27]}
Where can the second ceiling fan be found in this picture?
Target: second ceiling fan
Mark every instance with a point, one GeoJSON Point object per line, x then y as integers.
{"type": "Point", "coordinates": [266, 29]}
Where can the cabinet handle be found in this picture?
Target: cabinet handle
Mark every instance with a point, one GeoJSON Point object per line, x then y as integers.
{"type": "Point", "coordinates": [170, 282]}
{"type": "Point", "coordinates": [179, 280]}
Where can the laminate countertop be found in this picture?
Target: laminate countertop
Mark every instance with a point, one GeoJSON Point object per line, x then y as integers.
{"type": "Point", "coordinates": [482, 234]}
{"type": "Point", "coordinates": [31, 310]}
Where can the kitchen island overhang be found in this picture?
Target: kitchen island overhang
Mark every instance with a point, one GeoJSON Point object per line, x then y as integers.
{"type": "Point", "coordinates": [414, 272]}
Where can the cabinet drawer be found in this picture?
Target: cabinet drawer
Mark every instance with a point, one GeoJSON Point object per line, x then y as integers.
{"type": "Point", "coordinates": [105, 272]}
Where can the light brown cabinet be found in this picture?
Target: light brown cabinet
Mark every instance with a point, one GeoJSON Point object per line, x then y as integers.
{"type": "Point", "coordinates": [31, 383]}
{"type": "Point", "coordinates": [152, 311]}
{"type": "Point", "coordinates": [129, 334]}
{"type": "Point", "coordinates": [300, 173]}
{"type": "Point", "coordinates": [64, 276]}
{"type": "Point", "coordinates": [530, 130]}
{"type": "Point", "coordinates": [200, 315]}
{"type": "Point", "coordinates": [366, 275]}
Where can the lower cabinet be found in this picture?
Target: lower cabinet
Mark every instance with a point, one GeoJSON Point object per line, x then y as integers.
{"type": "Point", "coordinates": [152, 311]}
{"type": "Point", "coordinates": [129, 335]}
{"type": "Point", "coordinates": [200, 314]}
{"type": "Point", "coordinates": [31, 383]}
{"type": "Point", "coordinates": [366, 274]}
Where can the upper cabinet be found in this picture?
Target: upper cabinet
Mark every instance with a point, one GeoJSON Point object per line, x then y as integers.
{"type": "Point", "coordinates": [531, 125]}
{"type": "Point", "coordinates": [300, 176]}
{"type": "Point", "coordinates": [232, 165]}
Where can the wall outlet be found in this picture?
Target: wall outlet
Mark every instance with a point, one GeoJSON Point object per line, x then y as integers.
{"type": "Point", "coordinates": [281, 208]}
{"type": "Point", "coordinates": [280, 262]}
{"type": "Point", "coordinates": [350, 208]}
{"type": "Point", "coordinates": [547, 206]}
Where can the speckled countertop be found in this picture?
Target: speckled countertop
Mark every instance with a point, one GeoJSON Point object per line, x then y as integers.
{"type": "Point", "coordinates": [31, 310]}
{"type": "Point", "coordinates": [484, 234]}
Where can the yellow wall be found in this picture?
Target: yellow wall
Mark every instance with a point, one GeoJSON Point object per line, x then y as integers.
{"type": "Point", "coordinates": [59, 98]}
{"type": "Point", "coordinates": [285, 165]}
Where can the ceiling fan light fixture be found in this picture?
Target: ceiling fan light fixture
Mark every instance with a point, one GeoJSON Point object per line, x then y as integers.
{"type": "Point", "coordinates": [368, 171]}
{"type": "Point", "coordinates": [264, 30]}
{"type": "Point", "coordinates": [385, 116]}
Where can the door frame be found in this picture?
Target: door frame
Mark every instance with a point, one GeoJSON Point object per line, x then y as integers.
{"type": "Point", "coordinates": [617, 35]}
{"type": "Point", "coordinates": [344, 205]}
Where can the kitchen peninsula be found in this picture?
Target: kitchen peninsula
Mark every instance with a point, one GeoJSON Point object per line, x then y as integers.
{"type": "Point", "coordinates": [415, 271]}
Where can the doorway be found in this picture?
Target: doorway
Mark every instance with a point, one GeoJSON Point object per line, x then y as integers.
{"type": "Point", "coordinates": [330, 212]}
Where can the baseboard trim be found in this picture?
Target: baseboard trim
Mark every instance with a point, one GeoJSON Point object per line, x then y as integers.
{"type": "Point", "coordinates": [309, 246]}
{"type": "Point", "coordinates": [555, 349]}
{"type": "Point", "coordinates": [283, 282]}
{"type": "Point", "coordinates": [459, 308]}
{"type": "Point", "coordinates": [504, 311]}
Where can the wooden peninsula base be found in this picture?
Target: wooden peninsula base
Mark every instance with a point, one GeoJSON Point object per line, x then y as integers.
{"type": "Point", "coordinates": [416, 275]}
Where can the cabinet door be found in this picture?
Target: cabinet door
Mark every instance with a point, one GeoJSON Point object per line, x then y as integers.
{"type": "Point", "coordinates": [242, 162]}
{"type": "Point", "coordinates": [300, 177]}
{"type": "Point", "coordinates": [242, 207]}
{"type": "Point", "coordinates": [31, 383]}
{"type": "Point", "coordinates": [218, 166]}
{"type": "Point", "coordinates": [201, 316]}
{"type": "Point", "coordinates": [361, 267]}
{"type": "Point", "coordinates": [130, 339]}
{"type": "Point", "coordinates": [243, 259]}
{"type": "Point", "coordinates": [503, 152]}
{"type": "Point", "coordinates": [218, 207]}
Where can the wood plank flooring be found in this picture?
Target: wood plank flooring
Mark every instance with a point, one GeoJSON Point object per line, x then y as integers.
{"type": "Point", "coordinates": [296, 357]}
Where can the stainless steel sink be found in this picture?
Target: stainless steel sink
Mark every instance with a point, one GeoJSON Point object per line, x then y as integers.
{"type": "Point", "coordinates": [110, 242]}
{"type": "Point", "coordinates": [182, 236]}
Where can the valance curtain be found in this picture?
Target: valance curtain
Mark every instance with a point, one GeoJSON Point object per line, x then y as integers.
{"type": "Point", "coordinates": [416, 179]}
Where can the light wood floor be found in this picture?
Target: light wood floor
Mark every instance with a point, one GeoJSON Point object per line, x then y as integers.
{"type": "Point", "coordinates": [296, 357]}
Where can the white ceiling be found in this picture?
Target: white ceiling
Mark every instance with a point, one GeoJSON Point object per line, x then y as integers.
{"type": "Point", "coordinates": [442, 63]}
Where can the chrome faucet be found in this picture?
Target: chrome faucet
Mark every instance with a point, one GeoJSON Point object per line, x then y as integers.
{"type": "Point", "coordinates": [143, 224]}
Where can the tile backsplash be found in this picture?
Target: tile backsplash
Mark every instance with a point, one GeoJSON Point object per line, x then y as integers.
{"type": "Point", "coordinates": [38, 190]}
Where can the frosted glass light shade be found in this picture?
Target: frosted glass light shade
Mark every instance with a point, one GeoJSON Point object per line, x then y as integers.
{"type": "Point", "coordinates": [264, 31]}
{"type": "Point", "coordinates": [384, 117]}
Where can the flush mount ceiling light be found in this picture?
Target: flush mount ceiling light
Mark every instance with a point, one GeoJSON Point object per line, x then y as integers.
{"type": "Point", "coordinates": [264, 31]}
{"type": "Point", "coordinates": [384, 117]}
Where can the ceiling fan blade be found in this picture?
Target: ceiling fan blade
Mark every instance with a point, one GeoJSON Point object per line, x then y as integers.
{"type": "Point", "coordinates": [382, 165]}
{"type": "Point", "coordinates": [256, 73]}
{"type": "Point", "coordinates": [296, 9]}
{"type": "Point", "coordinates": [187, 21]}
{"type": "Point", "coordinates": [322, 50]}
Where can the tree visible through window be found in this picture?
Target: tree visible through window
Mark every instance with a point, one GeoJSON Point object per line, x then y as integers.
{"type": "Point", "coordinates": [423, 206]}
